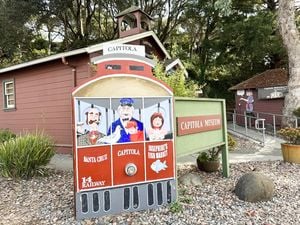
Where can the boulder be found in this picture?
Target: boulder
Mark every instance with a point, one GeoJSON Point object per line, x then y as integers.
{"type": "Point", "coordinates": [254, 187]}
{"type": "Point", "coordinates": [190, 179]}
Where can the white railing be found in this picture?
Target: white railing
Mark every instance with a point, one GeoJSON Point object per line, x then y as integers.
{"type": "Point", "coordinates": [255, 125]}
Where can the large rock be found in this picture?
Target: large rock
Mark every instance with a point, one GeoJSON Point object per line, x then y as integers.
{"type": "Point", "coordinates": [190, 179]}
{"type": "Point", "coordinates": [254, 187]}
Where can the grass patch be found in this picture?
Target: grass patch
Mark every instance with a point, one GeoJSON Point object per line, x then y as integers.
{"type": "Point", "coordinates": [5, 135]}
{"type": "Point", "coordinates": [25, 156]}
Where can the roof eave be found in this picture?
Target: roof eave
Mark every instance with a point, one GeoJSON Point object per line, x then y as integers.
{"type": "Point", "coordinates": [43, 60]}
{"type": "Point", "coordinates": [173, 63]}
{"type": "Point", "coordinates": [88, 50]}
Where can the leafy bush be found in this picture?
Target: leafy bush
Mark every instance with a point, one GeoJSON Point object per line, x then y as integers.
{"type": "Point", "coordinates": [296, 112]}
{"type": "Point", "coordinates": [291, 135]}
{"type": "Point", "coordinates": [231, 142]}
{"type": "Point", "coordinates": [5, 135]}
{"type": "Point", "coordinates": [176, 80]}
{"type": "Point", "coordinates": [25, 156]}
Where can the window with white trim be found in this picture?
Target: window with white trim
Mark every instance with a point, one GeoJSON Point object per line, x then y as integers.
{"type": "Point", "coordinates": [9, 94]}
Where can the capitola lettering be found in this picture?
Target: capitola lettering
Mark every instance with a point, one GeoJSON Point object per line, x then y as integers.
{"type": "Point", "coordinates": [122, 48]}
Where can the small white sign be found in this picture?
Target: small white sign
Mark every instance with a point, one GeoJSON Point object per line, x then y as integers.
{"type": "Point", "coordinates": [240, 92]}
{"type": "Point", "coordinates": [124, 49]}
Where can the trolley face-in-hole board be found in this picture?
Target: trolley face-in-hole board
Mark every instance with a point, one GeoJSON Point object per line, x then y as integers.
{"type": "Point", "coordinates": [124, 156]}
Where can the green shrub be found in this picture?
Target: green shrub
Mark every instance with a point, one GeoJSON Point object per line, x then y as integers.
{"type": "Point", "coordinates": [231, 142]}
{"type": "Point", "coordinates": [25, 156]}
{"type": "Point", "coordinates": [211, 154]}
{"type": "Point", "coordinates": [5, 135]}
{"type": "Point", "coordinates": [296, 112]}
{"type": "Point", "coordinates": [176, 207]}
{"type": "Point", "coordinates": [290, 135]}
{"type": "Point", "coordinates": [176, 80]}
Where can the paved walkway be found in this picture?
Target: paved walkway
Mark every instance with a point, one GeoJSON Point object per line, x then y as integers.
{"type": "Point", "coordinates": [271, 151]}
{"type": "Point", "coordinates": [251, 133]}
{"type": "Point", "coordinates": [61, 162]}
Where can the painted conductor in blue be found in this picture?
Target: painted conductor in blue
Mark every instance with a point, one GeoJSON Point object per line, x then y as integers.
{"type": "Point", "coordinates": [119, 132]}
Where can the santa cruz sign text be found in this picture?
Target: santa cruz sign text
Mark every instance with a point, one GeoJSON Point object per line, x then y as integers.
{"type": "Point", "coordinates": [196, 124]}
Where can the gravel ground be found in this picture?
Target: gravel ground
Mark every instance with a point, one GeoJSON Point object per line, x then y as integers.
{"type": "Point", "coordinates": [49, 200]}
{"type": "Point", "coordinates": [243, 145]}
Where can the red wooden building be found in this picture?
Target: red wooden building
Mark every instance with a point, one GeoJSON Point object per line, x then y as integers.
{"type": "Point", "coordinates": [267, 89]}
{"type": "Point", "coordinates": [37, 94]}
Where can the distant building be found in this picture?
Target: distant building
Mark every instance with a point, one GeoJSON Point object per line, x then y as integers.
{"type": "Point", "coordinates": [37, 94]}
{"type": "Point", "coordinates": [267, 89]}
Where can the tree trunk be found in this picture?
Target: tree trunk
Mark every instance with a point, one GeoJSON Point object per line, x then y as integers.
{"type": "Point", "coordinates": [291, 40]}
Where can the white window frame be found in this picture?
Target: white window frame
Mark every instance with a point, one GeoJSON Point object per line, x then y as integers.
{"type": "Point", "coordinates": [8, 95]}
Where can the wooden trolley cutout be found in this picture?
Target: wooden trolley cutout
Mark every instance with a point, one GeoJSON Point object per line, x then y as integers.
{"type": "Point", "coordinates": [124, 156]}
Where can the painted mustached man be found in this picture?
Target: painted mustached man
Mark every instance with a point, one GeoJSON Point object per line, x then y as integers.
{"type": "Point", "coordinates": [122, 127]}
{"type": "Point", "coordinates": [91, 137]}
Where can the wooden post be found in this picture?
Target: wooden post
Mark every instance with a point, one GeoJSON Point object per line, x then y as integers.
{"type": "Point", "coordinates": [225, 161]}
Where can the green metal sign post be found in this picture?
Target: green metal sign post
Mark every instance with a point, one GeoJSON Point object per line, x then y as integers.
{"type": "Point", "coordinates": [201, 125]}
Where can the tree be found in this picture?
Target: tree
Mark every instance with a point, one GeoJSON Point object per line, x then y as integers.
{"type": "Point", "coordinates": [15, 30]}
{"type": "Point", "coordinates": [291, 40]}
{"type": "Point", "coordinates": [75, 17]}
{"type": "Point", "coordinates": [220, 51]}
{"type": "Point", "coordinates": [176, 80]}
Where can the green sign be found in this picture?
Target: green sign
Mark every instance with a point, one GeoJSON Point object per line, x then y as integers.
{"type": "Point", "coordinates": [201, 125]}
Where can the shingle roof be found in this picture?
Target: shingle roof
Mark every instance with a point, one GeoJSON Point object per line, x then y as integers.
{"type": "Point", "coordinates": [269, 78]}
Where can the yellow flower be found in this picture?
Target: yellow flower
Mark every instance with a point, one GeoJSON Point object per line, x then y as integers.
{"type": "Point", "coordinates": [291, 135]}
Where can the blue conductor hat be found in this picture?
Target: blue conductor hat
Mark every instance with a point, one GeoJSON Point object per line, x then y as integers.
{"type": "Point", "coordinates": [126, 101]}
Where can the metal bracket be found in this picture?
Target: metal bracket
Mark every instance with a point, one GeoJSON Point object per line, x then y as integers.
{"type": "Point", "coordinates": [259, 122]}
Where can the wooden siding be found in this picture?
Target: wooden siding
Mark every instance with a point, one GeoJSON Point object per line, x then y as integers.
{"type": "Point", "coordinates": [43, 99]}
